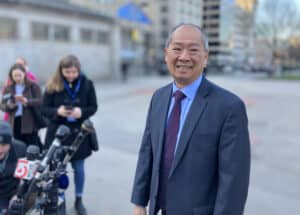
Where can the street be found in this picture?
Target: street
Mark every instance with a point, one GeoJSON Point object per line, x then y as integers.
{"type": "Point", "coordinates": [272, 108]}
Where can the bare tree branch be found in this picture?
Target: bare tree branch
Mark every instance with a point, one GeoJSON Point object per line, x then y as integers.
{"type": "Point", "coordinates": [280, 21]}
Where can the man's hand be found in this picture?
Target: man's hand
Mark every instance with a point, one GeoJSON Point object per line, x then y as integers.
{"type": "Point", "coordinates": [139, 210]}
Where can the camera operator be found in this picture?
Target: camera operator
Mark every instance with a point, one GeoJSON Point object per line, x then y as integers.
{"type": "Point", "coordinates": [70, 99]}
{"type": "Point", "coordinates": [10, 151]}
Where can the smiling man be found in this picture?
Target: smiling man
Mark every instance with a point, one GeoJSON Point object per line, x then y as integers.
{"type": "Point", "coordinates": [195, 153]}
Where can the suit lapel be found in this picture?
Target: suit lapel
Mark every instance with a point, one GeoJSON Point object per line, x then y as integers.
{"type": "Point", "coordinates": [197, 108]}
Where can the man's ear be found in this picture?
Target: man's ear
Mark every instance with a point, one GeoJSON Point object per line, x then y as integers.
{"type": "Point", "coordinates": [165, 53]}
{"type": "Point", "coordinates": [205, 60]}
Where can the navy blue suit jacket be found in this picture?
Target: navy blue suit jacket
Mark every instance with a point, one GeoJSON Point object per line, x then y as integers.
{"type": "Point", "coordinates": [210, 171]}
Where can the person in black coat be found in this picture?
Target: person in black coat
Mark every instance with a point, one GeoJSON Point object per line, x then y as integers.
{"type": "Point", "coordinates": [70, 99]}
{"type": "Point", "coordinates": [10, 151]}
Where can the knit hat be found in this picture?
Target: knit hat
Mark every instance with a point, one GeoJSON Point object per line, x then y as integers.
{"type": "Point", "coordinates": [5, 132]}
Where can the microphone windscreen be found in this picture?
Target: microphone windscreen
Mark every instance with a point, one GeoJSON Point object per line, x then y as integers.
{"type": "Point", "coordinates": [32, 152]}
{"type": "Point", "coordinates": [63, 181]}
{"type": "Point", "coordinates": [87, 126]}
{"type": "Point", "coordinates": [62, 132]}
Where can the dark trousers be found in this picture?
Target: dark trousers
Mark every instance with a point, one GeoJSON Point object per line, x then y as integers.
{"type": "Point", "coordinates": [28, 139]}
{"type": "Point", "coordinates": [3, 205]}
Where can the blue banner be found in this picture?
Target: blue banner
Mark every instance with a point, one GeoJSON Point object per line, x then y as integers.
{"type": "Point", "coordinates": [132, 12]}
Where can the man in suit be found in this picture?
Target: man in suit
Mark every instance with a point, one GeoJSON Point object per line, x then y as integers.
{"type": "Point", "coordinates": [195, 153]}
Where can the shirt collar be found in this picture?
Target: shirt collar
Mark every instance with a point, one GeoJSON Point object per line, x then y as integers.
{"type": "Point", "coordinates": [191, 89]}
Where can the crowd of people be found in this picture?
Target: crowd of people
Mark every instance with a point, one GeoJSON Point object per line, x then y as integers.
{"type": "Point", "coordinates": [69, 99]}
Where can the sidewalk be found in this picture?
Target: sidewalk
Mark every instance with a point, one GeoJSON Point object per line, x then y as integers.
{"type": "Point", "coordinates": [109, 179]}
{"type": "Point", "coordinates": [114, 89]}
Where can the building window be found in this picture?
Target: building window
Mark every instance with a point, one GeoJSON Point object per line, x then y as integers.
{"type": "Point", "coordinates": [214, 52]}
{"type": "Point", "coordinates": [164, 21]}
{"type": "Point", "coordinates": [213, 35]}
{"type": "Point", "coordinates": [39, 31]}
{"type": "Point", "coordinates": [86, 35]}
{"type": "Point", "coordinates": [164, 9]}
{"type": "Point", "coordinates": [214, 44]}
{"type": "Point", "coordinates": [102, 37]}
{"type": "Point", "coordinates": [8, 28]}
{"type": "Point", "coordinates": [61, 33]}
{"type": "Point", "coordinates": [210, 8]}
{"type": "Point", "coordinates": [164, 34]}
{"type": "Point", "coordinates": [212, 25]}
{"type": "Point", "coordinates": [208, 17]}
{"type": "Point", "coordinates": [182, 10]}
{"type": "Point", "coordinates": [216, 16]}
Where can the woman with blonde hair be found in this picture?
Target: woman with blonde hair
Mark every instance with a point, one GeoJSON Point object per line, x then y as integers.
{"type": "Point", "coordinates": [70, 99]}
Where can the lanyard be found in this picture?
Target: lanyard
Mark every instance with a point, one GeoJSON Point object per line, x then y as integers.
{"type": "Point", "coordinates": [69, 91]}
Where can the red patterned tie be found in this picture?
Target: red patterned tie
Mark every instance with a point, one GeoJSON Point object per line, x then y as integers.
{"type": "Point", "coordinates": [169, 147]}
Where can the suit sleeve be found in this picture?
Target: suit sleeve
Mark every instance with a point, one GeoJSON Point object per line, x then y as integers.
{"type": "Point", "coordinates": [234, 162]}
{"type": "Point", "coordinates": [142, 181]}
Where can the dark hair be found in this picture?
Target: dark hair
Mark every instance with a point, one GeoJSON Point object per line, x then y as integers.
{"type": "Point", "coordinates": [13, 68]}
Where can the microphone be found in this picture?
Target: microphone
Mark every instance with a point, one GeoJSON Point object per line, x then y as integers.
{"type": "Point", "coordinates": [32, 152]}
{"type": "Point", "coordinates": [25, 170]}
{"type": "Point", "coordinates": [63, 181]}
{"type": "Point", "coordinates": [31, 170]}
{"type": "Point", "coordinates": [61, 134]}
{"type": "Point", "coordinates": [87, 127]}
